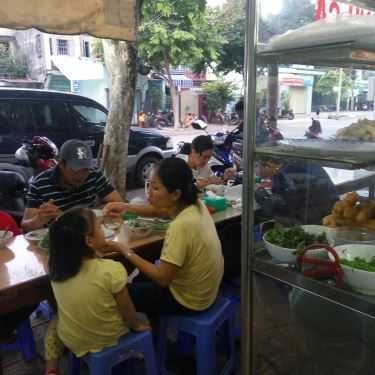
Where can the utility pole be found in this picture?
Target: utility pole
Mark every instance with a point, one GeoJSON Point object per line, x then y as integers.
{"type": "Point", "coordinates": [339, 89]}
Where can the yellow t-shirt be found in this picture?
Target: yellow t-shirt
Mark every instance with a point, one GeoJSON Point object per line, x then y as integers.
{"type": "Point", "coordinates": [192, 243]}
{"type": "Point", "coordinates": [88, 317]}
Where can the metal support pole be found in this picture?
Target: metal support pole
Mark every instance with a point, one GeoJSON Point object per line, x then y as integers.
{"type": "Point", "coordinates": [338, 101]}
{"type": "Point", "coordinates": [248, 188]}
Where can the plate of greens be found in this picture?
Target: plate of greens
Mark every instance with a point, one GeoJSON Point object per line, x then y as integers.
{"type": "Point", "coordinates": [283, 243]}
{"type": "Point", "coordinates": [358, 264]}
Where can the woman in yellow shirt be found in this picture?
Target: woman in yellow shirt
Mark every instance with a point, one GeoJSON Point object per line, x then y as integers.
{"type": "Point", "coordinates": [94, 307]}
{"type": "Point", "coordinates": [190, 270]}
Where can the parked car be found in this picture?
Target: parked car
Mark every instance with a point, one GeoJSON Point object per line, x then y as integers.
{"type": "Point", "coordinates": [60, 116]}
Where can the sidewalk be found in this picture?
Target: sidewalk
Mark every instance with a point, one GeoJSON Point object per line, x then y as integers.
{"type": "Point", "coordinates": [211, 129]}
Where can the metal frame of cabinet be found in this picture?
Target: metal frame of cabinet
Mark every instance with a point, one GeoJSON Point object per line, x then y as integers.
{"type": "Point", "coordinates": [339, 55]}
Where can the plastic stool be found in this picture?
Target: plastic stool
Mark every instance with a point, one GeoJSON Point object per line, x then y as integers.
{"type": "Point", "coordinates": [45, 310]}
{"type": "Point", "coordinates": [25, 341]}
{"type": "Point", "coordinates": [204, 327]}
{"type": "Point", "coordinates": [101, 363]}
{"type": "Point", "coordinates": [232, 291]}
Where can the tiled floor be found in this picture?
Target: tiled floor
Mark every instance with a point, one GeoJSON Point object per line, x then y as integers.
{"type": "Point", "coordinates": [13, 363]}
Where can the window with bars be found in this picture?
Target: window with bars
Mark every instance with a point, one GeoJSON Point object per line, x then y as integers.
{"type": "Point", "coordinates": [62, 47]}
{"type": "Point", "coordinates": [86, 48]}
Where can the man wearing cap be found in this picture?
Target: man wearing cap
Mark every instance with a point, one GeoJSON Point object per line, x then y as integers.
{"type": "Point", "coordinates": [73, 182]}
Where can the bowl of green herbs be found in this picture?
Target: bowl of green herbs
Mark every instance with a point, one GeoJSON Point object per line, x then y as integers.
{"type": "Point", "coordinates": [358, 263]}
{"type": "Point", "coordinates": [283, 243]}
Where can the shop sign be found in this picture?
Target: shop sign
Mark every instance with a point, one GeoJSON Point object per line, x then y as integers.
{"type": "Point", "coordinates": [325, 8]}
{"type": "Point", "coordinates": [293, 81]}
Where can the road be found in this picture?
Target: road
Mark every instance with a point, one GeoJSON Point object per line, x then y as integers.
{"type": "Point", "coordinates": [289, 128]}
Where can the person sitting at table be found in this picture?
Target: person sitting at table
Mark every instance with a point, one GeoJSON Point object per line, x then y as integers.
{"type": "Point", "coordinates": [197, 155]}
{"type": "Point", "coordinates": [10, 322]}
{"type": "Point", "coordinates": [73, 182]}
{"type": "Point", "coordinates": [187, 277]}
{"type": "Point", "coordinates": [300, 192]}
{"type": "Point", "coordinates": [94, 307]}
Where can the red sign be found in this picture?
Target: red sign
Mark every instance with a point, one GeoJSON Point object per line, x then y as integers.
{"type": "Point", "coordinates": [327, 7]}
{"type": "Point", "coordinates": [293, 81]}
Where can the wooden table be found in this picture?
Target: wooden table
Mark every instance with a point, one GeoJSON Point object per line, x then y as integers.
{"type": "Point", "coordinates": [23, 267]}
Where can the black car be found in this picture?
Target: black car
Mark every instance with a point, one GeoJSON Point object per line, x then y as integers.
{"type": "Point", "coordinates": [60, 116]}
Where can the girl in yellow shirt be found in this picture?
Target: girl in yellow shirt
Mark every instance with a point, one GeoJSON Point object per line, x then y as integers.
{"type": "Point", "coordinates": [94, 307]}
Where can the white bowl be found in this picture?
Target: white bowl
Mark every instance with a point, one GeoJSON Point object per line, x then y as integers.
{"type": "Point", "coordinates": [5, 238]}
{"type": "Point", "coordinates": [353, 235]}
{"type": "Point", "coordinates": [360, 280]}
{"type": "Point", "coordinates": [286, 255]}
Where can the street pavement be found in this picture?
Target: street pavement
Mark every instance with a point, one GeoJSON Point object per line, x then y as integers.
{"type": "Point", "coordinates": [289, 128]}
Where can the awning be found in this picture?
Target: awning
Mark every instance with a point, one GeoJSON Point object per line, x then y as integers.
{"type": "Point", "coordinates": [181, 81]}
{"type": "Point", "coordinates": [76, 69]}
{"type": "Point", "coordinates": [114, 19]}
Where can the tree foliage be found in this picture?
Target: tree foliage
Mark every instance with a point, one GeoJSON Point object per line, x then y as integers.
{"type": "Point", "coordinates": [175, 33]}
{"type": "Point", "coordinates": [219, 94]}
{"type": "Point", "coordinates": [330, 80]}
{"type": "Point", "coordinates": [231, 19]}
{"type": "Point", "coordinates": [294, 14]}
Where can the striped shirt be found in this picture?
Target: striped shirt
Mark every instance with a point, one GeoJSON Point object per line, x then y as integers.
{"type": "Point", "coordinates": [47, 186]}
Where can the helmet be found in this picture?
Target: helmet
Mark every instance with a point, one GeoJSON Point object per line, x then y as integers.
{"type": "Point", "coordinates": [46, 149]}
{"type": "Point", "coordinates": [219, 139]}
{"type": "Point", "coordinates": [35, 149]}
{"type": "Point", "coordinates": [22, 156]}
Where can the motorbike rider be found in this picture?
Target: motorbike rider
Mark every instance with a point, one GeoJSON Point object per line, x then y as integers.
{"type": "Point", "coordinates": [274, 131]}
{"type": "Point", "coordinates": [197, 156]}
{"type": "Point", "coordinates": [314, 131]}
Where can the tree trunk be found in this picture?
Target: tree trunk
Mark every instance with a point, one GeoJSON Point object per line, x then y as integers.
{"type": "Point", "coordinates": [120, 60]}
{"type": "Point", "coordinates": [273, 91]}
{"type": "Point", "coordinates": [174, 97]}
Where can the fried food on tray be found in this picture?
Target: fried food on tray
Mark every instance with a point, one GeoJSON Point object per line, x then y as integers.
{"type": "Point", "coordinates": [352, 212]}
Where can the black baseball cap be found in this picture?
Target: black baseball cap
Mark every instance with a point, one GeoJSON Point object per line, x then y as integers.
{"type": "Point", "coordinates": [76, 154]}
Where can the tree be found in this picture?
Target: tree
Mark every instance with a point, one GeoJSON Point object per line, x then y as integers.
{"type": "Point", "coordinates": [120, 60]}
{"type": "Point", "coordinates": [231, 20]}
{"type": "Point", "coordinates": [294, 14]}
{"type": "Point", "coordinates": [175, 33]}
{"type": "Point", "coordinates": [219, 94]}
{"type": "Point", "coordinates": [330, 80]}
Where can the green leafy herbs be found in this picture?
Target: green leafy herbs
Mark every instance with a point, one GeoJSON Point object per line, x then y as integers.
{"type": "Point", "coordinates": [360, 264]}
{"type": "Point", "coordinates": [294, 238]}
{"type": "Point", "coordinates": [44, 243]}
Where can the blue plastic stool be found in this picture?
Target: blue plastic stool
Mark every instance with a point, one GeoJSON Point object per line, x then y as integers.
{"type": "Point", "coordinates": [232, 291]}
{"type": "Point", "coordinates": [25, 342]}
{"type": "Point", "coordinates": [204, 327]}
{"type": "Point", "coordinates": [101, 363]}
{"type": "Point", "coordinates": [45, 310]}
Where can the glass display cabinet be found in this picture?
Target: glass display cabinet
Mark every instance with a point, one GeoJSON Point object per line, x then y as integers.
{"type": "Point", "coordinates": [309, 311]}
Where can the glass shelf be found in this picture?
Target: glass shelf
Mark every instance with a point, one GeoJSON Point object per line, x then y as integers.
{"type": "Point", "coordinates": [349, 161]}
{"type": "Point", "coordinates": [343, 55]}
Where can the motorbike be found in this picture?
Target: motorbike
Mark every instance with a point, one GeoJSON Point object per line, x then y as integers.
{"type": "Point", "coordinates": [287, 113]}
{"type": "Point", "coordinates": [199, 124]}
{"type": "Point", "coordinates": [32, 157]}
